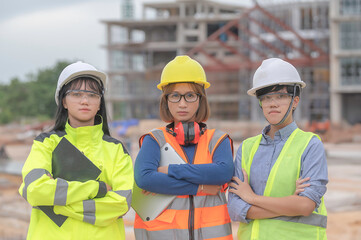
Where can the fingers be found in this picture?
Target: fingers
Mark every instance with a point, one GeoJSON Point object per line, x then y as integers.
{"type": "Point", "coordinates": [298, 191]}
{"type": "Point", "coordinates": [109, 188]}
{"type": "Point", "coordinates": [304, 185]}
{"type": "Point", "coordinates": [302, 180]}
{"type": "Point", "coordinates": [237, 180]}
{"type": "Point", "coordinates": [145, 192]}
{"type": "Point", "coordinates": [231, 190]}
{"type": "Point", "coordinates": [233, 185]}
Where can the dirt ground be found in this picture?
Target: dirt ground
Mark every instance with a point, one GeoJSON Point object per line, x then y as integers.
{"type": "Point", "coordinates": [343, 197]}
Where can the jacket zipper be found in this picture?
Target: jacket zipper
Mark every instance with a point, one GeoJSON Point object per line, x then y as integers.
{"type": "Point", "coordinates": [191, 218]}
{"type": "Point", "coordinates": [191, 202]}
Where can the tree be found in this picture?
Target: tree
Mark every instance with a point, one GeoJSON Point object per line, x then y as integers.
{"type": "Point", "coordinates": [32, 98]}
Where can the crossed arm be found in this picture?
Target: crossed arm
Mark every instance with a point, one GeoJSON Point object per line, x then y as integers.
{"type": "Point", "coordinates": [182, 179]}
{"type": "Point", "coordinates": [268, 207]}
{"type": "Point", "coordinates": [40, 188]}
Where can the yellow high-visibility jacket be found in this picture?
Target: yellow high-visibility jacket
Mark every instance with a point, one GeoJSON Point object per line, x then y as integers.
{"type": "Point", "coordinates": [91, 211]}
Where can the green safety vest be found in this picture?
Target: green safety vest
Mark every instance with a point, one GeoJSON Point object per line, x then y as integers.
{"type": "Point", "coordinates": [284, 173]}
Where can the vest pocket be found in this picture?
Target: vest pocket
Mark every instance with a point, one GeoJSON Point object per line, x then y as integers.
{"type": "Point", "coordinates": [166, 217]}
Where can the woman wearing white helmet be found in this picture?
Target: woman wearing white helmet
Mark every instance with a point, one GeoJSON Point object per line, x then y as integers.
{"type": "Point", "coordinates": [77, 177]}
{"type": "Point", "coordinates": [199, 210]}
{"type": "Point", "coordinates": [281, 174]}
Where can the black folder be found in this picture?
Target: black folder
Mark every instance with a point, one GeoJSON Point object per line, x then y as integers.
{"type": "Point", "coordinates": [72, 165]}
{"type": "Point", "coordinates": [69, 164]}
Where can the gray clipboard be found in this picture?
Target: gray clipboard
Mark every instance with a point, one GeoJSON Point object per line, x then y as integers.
{"type": "Point", "coordinates": [148, 207]}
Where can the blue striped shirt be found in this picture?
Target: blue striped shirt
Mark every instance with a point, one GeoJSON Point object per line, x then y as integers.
{"type": "Point", "coordinates": [313, 165]}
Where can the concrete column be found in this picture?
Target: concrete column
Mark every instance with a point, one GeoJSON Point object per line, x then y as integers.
{"type": "Point", "coordinates": [335, 96]}
{"type": "Point", "coordinates": [109, 103]}
{"type": "Point", "coordinates": [336, 106]}
{"type": "Point", "coordinates": [182, 10]}
{"type": "Point", "coordinates": [202, 29]}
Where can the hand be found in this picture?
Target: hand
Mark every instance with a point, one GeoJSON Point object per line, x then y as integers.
{"type": "Point", "coordinates": [163, 169]}
{"type": "Point", "coordinates": [210, 189]}
{"type": "Point", "coordinates": [300, 187]}
{"type": "Point", "coordinates": [109, 188]}
{"type": "Point", "coordinates": [49, 175]}
{"type": "Point", "coordinates": [242, 188]}
{"type": "Point", "coordinates": [145, 192]}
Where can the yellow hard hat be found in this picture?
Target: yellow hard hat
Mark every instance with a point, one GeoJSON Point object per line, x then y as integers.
{"type": "Point", "coordinates": [183, 69]}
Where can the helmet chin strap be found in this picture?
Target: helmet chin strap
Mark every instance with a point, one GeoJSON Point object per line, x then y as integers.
{"type": "Point", "coordinates": [289, 107]}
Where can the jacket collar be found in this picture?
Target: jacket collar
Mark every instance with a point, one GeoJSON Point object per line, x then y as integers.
{"type": "Point", "coordinates": [283, 133]}
{"type": "Point", "coordinates": [85, 134]}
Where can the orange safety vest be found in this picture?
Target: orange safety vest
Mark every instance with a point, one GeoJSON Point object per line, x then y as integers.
{"type": "Point", "coordinates": [200, 216]}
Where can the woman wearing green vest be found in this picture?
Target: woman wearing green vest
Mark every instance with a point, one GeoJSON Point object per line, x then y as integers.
{"type": "Point", "coordinates": [262, 194]}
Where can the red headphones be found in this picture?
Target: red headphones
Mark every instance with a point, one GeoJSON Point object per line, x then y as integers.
{"type": "Point", "coordinates": [187, 132]}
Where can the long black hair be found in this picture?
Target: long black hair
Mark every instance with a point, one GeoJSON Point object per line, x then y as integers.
{"type": "Point", "coordinates": [61, 115]}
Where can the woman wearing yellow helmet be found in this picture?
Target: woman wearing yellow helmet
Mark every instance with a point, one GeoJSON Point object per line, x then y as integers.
{"type": "Point", "coordinates": [199, 210]}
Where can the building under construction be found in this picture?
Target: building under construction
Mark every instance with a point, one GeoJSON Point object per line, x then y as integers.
{"type": "Point", "coordinates": [345, 61]}
{"type": "Point", "coordinates": [230, 42]}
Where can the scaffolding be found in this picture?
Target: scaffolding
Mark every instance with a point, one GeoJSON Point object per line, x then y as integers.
{"type": "Point", "coordinates": [230, 42]}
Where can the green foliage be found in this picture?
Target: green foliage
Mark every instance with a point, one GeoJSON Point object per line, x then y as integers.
{"type": "Point", "coordinates": [32, 98]}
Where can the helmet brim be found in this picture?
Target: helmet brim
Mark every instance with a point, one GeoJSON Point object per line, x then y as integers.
{"type": "Point", "coordinates": [203, 83]}
{"type": "Point", "coordinates": [252, 91]}
{"type": "Point", "coordinates": [96, 75]}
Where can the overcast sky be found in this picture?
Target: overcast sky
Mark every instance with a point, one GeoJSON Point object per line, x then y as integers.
{"type": "Point", "coordinates": [36, 34]}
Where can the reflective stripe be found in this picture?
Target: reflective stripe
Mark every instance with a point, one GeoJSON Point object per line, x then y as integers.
{"type": "Point", "coordinates": [210, 200]}
{"type": "Point", "coordinates": [199, 202]}
{"type": "Point", "coordinates": [31, 177]}
{"type": "Point", "coordinates": [89, 211]}
{"type": "Point", "coordinates": [179, 204]}
{"type": "Point", "coordinates": [179, 234]}
{"type": "Point", "coordinates": [173, 234]}
{"type": "Point", "coordinates": [215, 232]}
{"type": "Point", "coordinates": [314, 220]}
{"type": "Point", "coordinates": [159, 136]}
{"type": "Point", "coordinates": [215, 138]}
{"type": "Point", "coordinates": [127, 194]}
{"type": "Point", "coordinates": [61, 192]}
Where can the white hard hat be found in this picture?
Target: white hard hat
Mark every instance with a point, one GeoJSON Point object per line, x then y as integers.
{"type": "Point", "coordinates": [275, 71]}
{"type": "Point", "coordinates": [76, 70]}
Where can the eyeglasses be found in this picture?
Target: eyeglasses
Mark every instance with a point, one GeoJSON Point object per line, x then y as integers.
{"type": "Point", "coordinates": [278, 98]}
{"type": "Point", "coordinates": [78, 95]}
{"type": "Point", "coordinates": [188, 97]}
